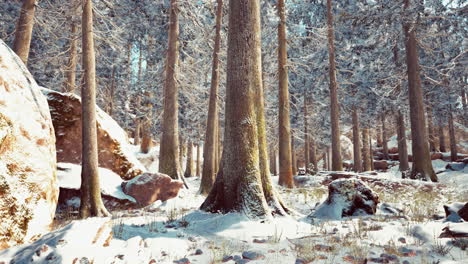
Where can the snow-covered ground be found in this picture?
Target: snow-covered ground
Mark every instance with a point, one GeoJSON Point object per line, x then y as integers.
{"type": "Point", "coordinates": [177, 232]}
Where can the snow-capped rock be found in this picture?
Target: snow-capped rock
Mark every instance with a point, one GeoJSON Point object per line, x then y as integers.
{"type": "Point", "coordinates": [115, 153]}
{"type": "Point", "coordinates": [28, 184]}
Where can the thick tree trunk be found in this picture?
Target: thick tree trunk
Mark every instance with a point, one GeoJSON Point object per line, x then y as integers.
{"type": "Point", "coordinates": [442, 144]}
{"type": "Point", "coordinates": [168, 158]}
{"type": "Point", "coordinates": [366, 156]}
{"type": "Point", "coordinates": [70, 70]}
{"type": "Point", "coordinates": [337, 164]}
{"type": "Point", "coordinates": [384, 139]}
{"type": "Point", "coordinates": [91, 202]}
{"type": "Point", "coordinates": [209, 147]}
{"type": "Point", "coordinates": [379, 137]}
{"type": "Point", "coordinates": [422, 165]}
{"type": "Point", "coordinates": [306, 134]}
{"type": "Point", "coordinates": [453, 139]}
{"type": "Point", "coordinates": [239, 185]}
{"type": "Point", "coordinates": [402, 148]}
{"type": "Point", "coordinates": [24, 29]}
{"type": "Point", "coordinates": [356, 142]}
{"type": "Point", "coordinates": [430, 129]}
{"type": "Point", "coordinates": [189, 168]}
{"type": "Point", "coordinates": [284, 127]}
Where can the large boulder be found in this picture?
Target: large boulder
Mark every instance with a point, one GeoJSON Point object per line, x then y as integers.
{"type": "Point", "coordinates": [381, 165]}
{"type": "Point", "coordinates": [114, 151]}
{"type": "Point", "coordinates": [347, 197]}
{"type": "Point", "coordinates": [150, 187]}
{"type": "Point", "coordinates": [28, 184]}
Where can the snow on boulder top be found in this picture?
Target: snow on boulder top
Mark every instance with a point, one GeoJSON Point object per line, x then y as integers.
{"type": "Point", "coordinates": [69, 177]}
{"type": "Point", "coordinates": [115, 152]}
{"type": "Point", "coordinates": [347, 197]}
{"type": "Point", "coordinates": [28, 184]}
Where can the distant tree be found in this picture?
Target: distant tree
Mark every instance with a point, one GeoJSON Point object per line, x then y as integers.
{"type": "Point", "coordinates": [169, 158]}
{"type": "Point", "coordinates": [91, 202]}
{"type": "Point", "coordinates": [24, 29]}
{"type": "Point", "coordinates": [284, 126]}
{"type": "Point", "coordinates": [337, 164]}
{"type": "Point", "coordinates": [356, 142]}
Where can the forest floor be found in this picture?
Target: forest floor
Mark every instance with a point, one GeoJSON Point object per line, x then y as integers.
{"type": "Point", "coordinates": [177, 232]}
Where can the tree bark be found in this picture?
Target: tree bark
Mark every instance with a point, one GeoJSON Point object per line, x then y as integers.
{"type": "Point", "coordinates": [430, 129]}
{"type": "Point", "coordinates": [239, 185]}
{"type": "Point", "coordinates": [273, 163]}
{"type": "Point", "coordinates": [442, 144]}
{"type": "Point", "coordinates": [137, 135]}
{"type": "Point", "coordinates": [306, 134]}
{"type": "Point", "coordinates": [182, 149]}
{"type": "Point", "coordinates": [402, 148]}
{"type": "Point", "coordinates": [91, 202]}
{"type": "Point", "coordinates": [111, 99]}
{"type": "Point", "coordinates": [209, 147]}
{"type": "Point", "coordinates": [366, 160]}
{"type": "Point", "coordinates": [356, 142]}
{"type": "Point", "coordinates": [337, 164]}
{"type": "Point", "coordinates": [422, 165]}
{"type": "Point", "coordinates": [24, 29]}
{"type": "Point", "coordinates": [371, 151]}
{"type": "Point", "coordinates": [453, 139]}
{"type": "Point", "coordinates": [293, 155]}
{"type": "Point", "coordinates": [384, 139]}
{"type": "Point", "coordinates": [70, 70]}
{"type": "Point", "coordinates": [284, 127]}
{"type": "Point", "coordinates": [198, 160]}
{"type": "Point", "coordinates": [168, 158]}
{"type": "Point", "coordinates": [189, 168]}
{"type": "Point", "coordinates": [379, 137]}
{"type": "Point", "coordinates": [313, 154]}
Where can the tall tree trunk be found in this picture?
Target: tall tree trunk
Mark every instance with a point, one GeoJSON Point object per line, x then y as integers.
{"type": "Point", "coordinates": [70, 70]}
{"type": "Point", "coordinates": [198, 160]}
{"type": "Point", "coordinates": [218, 144]}
{"type": "Point", "coordinates": [168, 158]}
{"type": "Point", "coordinates": [402, 148]}
{"type": "Point", "coordinates": [384, 139]}
{"type": "Point", "coordinates": [24, 29]}
{"type": "Point", "coordinates": [442, 144]}
{"type": "Point", "coordinates": [337, 164]}
{"type": "Point", "coordinates": [181, 153]}
{"type": "Point", "coordinates": [422, 165]}
{"type": "Point", "coordinates": [189, 168]}
{"type": "Point", "coordinates": [273, 163]}
{"type": "Point", "coordinates": [110, 109]}
{"type": "Point", "coordinates": [325, 160]}
{"type": "Point", "coordinates": [91, 202]}
{"type": "Point", "coordinates": [366, 156]}
{"type": "Point", "coordinates": [239, 185]}
{"type": "Point", "coordinates": [284, 127]}
{"type": "Point", "coordinates": [464, 103]}
{"type": "Point", "coordinates": [430, 129]}
{"type": "Point", "coordinates": [356, 142]}
{"type": "Point", "coordinates": [453, 140]}
{"type": "Point", "coordinates": [371, 151]}
{"type": "Point", "coordinates": [137, 135]}
{"type": "Point", "coordinates": [293, 155]}
{"type": "Point", "coordinates": [379, 137]}
{"type": "Point", "coordinates": [209, 147]}
{"type": "Point", "coordinates": [313, 154]}
{"type": "Point", "coordinates": [306, 134]}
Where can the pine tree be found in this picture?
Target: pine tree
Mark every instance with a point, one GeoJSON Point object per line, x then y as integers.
{"type": "Point", "coordinates": [91, 201]}
{"type": "Point", "coordinates": [24, 29]}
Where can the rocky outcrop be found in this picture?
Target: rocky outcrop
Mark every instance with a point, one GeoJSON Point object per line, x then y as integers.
{"type": "Point", "coordinates": [148, 188]}
{"type": "Point", "coordinates": [463, 212]}
{"type": "Point", "coordinates": [114, 152]}
{"type": "Point", "coordinates": [28, 184]}
{"type": "Point", "coordinates": [347, 197]}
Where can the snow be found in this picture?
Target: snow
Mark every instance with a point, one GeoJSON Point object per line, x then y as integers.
{"type": "Point", "coordinates": [69, 176]}
{"type": "Point", "coordinates": [172, 230]}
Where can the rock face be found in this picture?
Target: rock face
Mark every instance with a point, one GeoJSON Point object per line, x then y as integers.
{"type": "Point", "coordinates": [380, 164]}
{"type": "Point", "coordinates": [28, 184]}
{"type": "Point", "coordinates": [148, 188]}
{"type": "Point", "coordinates": [114, 154]}
{"type": "Point", "coordinates": [463, 212]}
{"type": "Point", "coordinates": [347, 197]}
